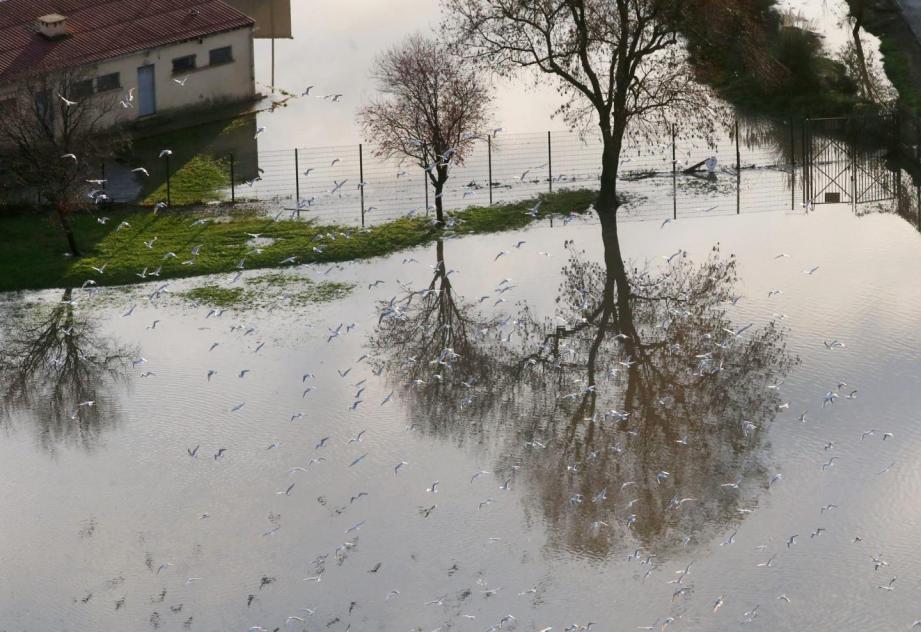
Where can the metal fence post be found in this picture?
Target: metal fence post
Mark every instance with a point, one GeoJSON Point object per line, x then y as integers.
{"type": "Point", "coordinates": [738, 173]}
{"type": "Point", "coordinates": [898, 188]}
{"type": "Point", "coordinates": [917, 139]}
{"type": "Point", "coordinates": [805, 161]}
{"type": "Point", "coordinates": [361, 181]}
{"type": "Point", "coordinates": [489, 154]}
{"type": "Point", "coordinates": [297, 184]}
{"type": "Point", "coordinates": [233, 191]}
{"type": "Point", "coordinates": [738, 192]}
{"type": "Point", "coordinates": [674, 176]}
{"type": "Point", "coordinates": [917, 163]}
{"type": "Point", "coordinates": [738, 153]}
{"type": "Point", "coordinates": [549, 161]}
{"type": "Point", "coordinates": [169, 201]}
{"type": "Point", "coordinates": [793, 141]}
{"type": "Point", "coordinates": [792, 163]}
{"type": "Point", "coordinates": [425, 183]}
{"type": "Point", "coordinates": [854, 188]}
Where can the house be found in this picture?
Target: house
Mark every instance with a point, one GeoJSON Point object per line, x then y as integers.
{"type": "Point", "coordinates": [151, 56]}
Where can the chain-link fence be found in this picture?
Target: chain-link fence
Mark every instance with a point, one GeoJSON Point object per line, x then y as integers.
{"type": "Point", "coordinates": [752, 166]}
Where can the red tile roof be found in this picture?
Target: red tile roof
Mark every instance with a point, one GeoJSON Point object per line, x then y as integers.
{"type": "Point", "coordinates": [103, 29]}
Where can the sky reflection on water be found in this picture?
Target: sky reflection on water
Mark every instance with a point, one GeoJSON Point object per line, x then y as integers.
{"type": "Point", "coordinates": [97, 524]}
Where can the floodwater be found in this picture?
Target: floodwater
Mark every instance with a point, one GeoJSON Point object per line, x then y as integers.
{"type": "Point", "coordinates": [575, 453]}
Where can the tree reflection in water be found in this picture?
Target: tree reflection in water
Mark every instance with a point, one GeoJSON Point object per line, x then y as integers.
{"type": "Point", "coordinates": [428, 337]}
{"type": "Point", "coordinates": [54, 362]}
{"type": "Point", "coordinates": [634, 390]}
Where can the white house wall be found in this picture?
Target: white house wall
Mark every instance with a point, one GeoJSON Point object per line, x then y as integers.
{"type": "Point", "coordinates": [205, 85]}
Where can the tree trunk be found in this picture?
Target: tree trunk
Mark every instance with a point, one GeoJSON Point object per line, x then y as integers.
{"type": "Point", "coordinates": [858, 15]}
{"type": "Point", "coordinates": [616, 281]}
{"type": "Point", "coordinates": [439, 190]}
{"type": "Point", "coordinates": [441, 272]}
{"type": "Point", "coordinates": [607, 314]}
{"type": "Point", "coordinates": [68, 230]}
{"type": "Point", "coordinates": [607, 203]}
{"type": "Point", "coordinates": [439, 207]}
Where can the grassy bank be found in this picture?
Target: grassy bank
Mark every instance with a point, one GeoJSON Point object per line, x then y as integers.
{"type": "Point", "coordinates": [199, 166]}
{"type": "Point", "coordinates": [33, 247]}
{"type": "Point", "coordinates": [202, 179]}
{"type": "Point", "coordinates": [267, 291]}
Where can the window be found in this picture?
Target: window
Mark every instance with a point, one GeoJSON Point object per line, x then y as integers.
{"type": "Point", "coordinates": [220, 56]}
{"type": "Point", "coordinates": [183, 64]}
{"type": "Point", "coordinates": [81, 89]}
{"type": "Point", "coordinates": [108, 82]}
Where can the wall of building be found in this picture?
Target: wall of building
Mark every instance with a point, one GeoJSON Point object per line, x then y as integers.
{"type": "Point", "coordinates": [204, 86]}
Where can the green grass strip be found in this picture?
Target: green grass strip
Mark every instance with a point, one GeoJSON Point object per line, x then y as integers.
{"type": "Point", "coordinates": [33, 252]}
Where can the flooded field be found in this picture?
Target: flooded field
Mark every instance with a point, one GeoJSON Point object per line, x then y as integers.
{"type": "Point", "coordinates": [698, 424]}
{"type": "Point", "coordinates": [309, 158]}
{"type": "Point", "coordinates": [700, 417]}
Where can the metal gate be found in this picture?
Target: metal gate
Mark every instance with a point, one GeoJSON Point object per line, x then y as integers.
{"type": "Point", "coordinates": [846, 159]}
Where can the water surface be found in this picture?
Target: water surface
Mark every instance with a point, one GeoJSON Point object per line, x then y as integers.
{"type": "Point", "coordinates": [109, 523]}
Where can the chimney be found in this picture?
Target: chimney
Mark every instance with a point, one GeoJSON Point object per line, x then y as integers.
{"type": "Point", "coordinates": [52, 26]}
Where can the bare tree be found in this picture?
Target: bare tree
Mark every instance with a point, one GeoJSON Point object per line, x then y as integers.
{"type": "Point", "coordinates": [53, 138]}
{"type": "Point", "coordinates": [431, 110]}
{"type": "Point", "coordinates": [856, 15]}
{"type": "Point", "coordinates": [619, 63]}
{"type": "Point", "coordinates": [865, 65]}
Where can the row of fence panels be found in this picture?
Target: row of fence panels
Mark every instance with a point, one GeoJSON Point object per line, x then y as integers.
{"type": "Point", "coordinates": [356, 184]}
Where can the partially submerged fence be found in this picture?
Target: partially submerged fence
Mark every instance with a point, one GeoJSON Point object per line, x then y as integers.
{"type": "Point", "coordinates": [755, 166]}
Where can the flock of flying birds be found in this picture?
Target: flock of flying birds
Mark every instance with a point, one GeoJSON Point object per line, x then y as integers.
{"type": "Point", "coordinates": [127, 101]}
{"type": "Point", "coordinates": [446, 158]}
{"type": "Point", "coordinates": [324, 450]}
{"type": "Point", "coordinates": [339, 185]}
